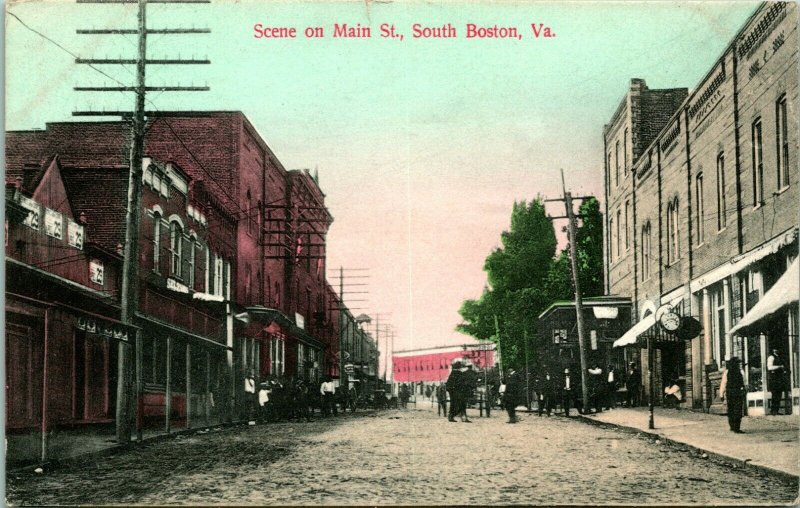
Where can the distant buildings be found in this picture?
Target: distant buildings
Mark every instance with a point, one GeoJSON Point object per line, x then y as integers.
{"type": "Point", "coordinates": [232, 278]}
{"type": "Point", "coordinates": [431, 366]}
{"type": "Point", "coordinates": [702, 212]}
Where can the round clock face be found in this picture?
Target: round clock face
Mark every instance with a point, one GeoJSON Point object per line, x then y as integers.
{"type": "Point", "coordinates": [670, 321]}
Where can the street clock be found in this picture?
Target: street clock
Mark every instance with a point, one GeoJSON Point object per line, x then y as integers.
{"type": "Point", "coordinates": [670, 321]}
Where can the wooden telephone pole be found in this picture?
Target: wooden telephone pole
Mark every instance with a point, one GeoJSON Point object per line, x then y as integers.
{"type": "Point", "coordinates": [129, 295]}
{"type": "Point", "coordinates": [573, 255]}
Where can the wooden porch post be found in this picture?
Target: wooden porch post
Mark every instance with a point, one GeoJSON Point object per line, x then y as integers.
{"type": "Point", "coordinates": [188, 385]}
{"type": "Point", "coordinates": [208, 388]}
{"type": "Point", "coordinates": [168, 388]}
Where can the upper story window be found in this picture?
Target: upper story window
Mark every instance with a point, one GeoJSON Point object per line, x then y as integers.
{"type": "Point", "coordinates": [782, 138]}
{"type": "Point", "coordinates": [758, 165]}
{"type": "Point", "coordinates": [700, 219]}
{"type": "Point", "coordinates": [616, 162]}
{"type": "Point", "coordinates": [613, 240]}
{"type": "Point", "coordinates": [190, 260]}
{"type": "Point", "coordinates": [175, 248]}
{"type": "Point", "coordinates": [218, 277]}
{"type": "Point", "coordinates": [647, 245]}
{"type": "Point", "coordinates": [609, 168]}
{"type": "Point", "coordinates": [625, 152]}
{"type": "Point", "coordinates": [249, 211]}
{"type": "Point", "coordinates": [673, 225]}
{"type": "Point", "coordinates": [722, 214]}
{"type": "Point", "coordinates": [619, 236]}
{"type": "Point", "coordinates": [156, 242]}
{"type": "Point", "coordinates": [627, 215]}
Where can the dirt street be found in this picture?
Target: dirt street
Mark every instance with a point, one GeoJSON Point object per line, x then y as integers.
{"type": "Point", "coordinates": [403, 457]}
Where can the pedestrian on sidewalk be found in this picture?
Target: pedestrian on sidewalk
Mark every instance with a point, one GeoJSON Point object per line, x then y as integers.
{"type": "Point", "coordinates": [732, 389]}
{"type": "Point", "coordinates": [633, 385]}
{"type": "Point", "coordinates": [328, 390]}
{"type": "Point", "coordinates": [441, 399]}
{"type": "Point", "coordinates": [596, 389]}
{"type": "Point", "coordinates": [566, 392]}
{"type": "Point", "coordinates": [511, 398]}
{"type": "Point", "coordinates": [455, 389]}
{"type": "Point", "coordinates": [546, 394]}
{"type": "Point", "coordinates": [251, 401]}
{"type": "Point", "coordinates": [612, 383]}
{"type": "Point", "coordinates": [776, 381]}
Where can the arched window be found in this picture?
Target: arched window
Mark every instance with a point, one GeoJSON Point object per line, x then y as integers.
{"type": "Point", "coordinates": [175, 248]}
{"type": "Point", "coordinates": [673, 225]}
{"type": "Point", "coordinates": [647, 243]}
{"type": "Point", "coordinates": [613, 241]}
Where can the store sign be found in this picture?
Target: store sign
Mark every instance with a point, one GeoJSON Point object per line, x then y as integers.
{"type": "Point", "coordinates": [34, 212]}
{"type": "Point", "coordinates": [300, 321]}
{"type": "Point", "coordinates": [96, 271]}
{"type": "Point", "coordinates": [559, 336]}
{"type": "Point", "coordinates": [112, 331]}
{"type": "Point", "coordinates": [53, 224]}
{"type": "Point", "coordinates": [75, 234]}
{"type": "Point", "coordinates": [176, 286]}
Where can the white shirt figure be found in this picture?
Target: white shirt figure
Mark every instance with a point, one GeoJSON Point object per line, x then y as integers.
{"type": "Point", "coordinates": [771, 361]}
{"type": "Point", "coordinates": [263, 396]}
{"type": "Point", "coordinates": [611, 376]}
{"type": "Point", "coordinates": [566, 382]}
{"type": "Point", "coordinates": [249, 384]}
{"type": "Point", "coordinates": [327, 387]}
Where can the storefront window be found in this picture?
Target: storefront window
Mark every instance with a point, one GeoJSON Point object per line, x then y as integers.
{"type": "Point", "coordinates": [753, 366]}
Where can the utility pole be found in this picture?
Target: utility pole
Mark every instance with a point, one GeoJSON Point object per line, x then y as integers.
{"type": "Point", "coordinates": [573, 254]}
{"type": "Point", "coordinates": [129, 294]}
{"type": "Point", "coordinates": [527, 372]}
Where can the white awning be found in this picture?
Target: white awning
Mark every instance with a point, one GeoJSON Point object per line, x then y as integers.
{"type": "Point", "coordinates": [786, 291]}
{"type": "Point", "coordinates": [742, 261]}
{"type": "Point", "coordinates": [639, 328]}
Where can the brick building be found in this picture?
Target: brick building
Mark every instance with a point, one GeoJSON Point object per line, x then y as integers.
{"type": "Point", "coordinates": [702, 217]}
{"type": "Point", "coordinates": [232, 273]}
{"type": "Point", "coordinates": [431, 366]}
{"type": "Point", "coordinates": [179, 340]}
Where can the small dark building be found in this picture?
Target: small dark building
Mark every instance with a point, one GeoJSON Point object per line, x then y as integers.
{"type": "Point", "coordinates": [606, 318]}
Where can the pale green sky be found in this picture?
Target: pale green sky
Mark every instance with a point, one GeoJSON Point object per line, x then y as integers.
{"type": "Point", "coordinates": [422, 145]}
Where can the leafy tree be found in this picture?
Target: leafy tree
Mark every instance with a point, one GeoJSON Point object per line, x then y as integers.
{"type": "Point", "coordinates": [525, 276]}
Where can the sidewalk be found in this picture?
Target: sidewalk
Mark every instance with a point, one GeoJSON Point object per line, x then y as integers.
{"type": "Point", "coordinates": [769, 442]}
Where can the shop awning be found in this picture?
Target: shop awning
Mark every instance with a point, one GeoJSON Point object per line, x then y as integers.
{"type": "Point", "coordinates": [785, 292]}
{"type": "Point", "coordinates": [636, 330]}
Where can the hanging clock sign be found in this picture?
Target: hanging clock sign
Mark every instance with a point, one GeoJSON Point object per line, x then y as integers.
{"type": "Point", "coordinates": [670, 321]}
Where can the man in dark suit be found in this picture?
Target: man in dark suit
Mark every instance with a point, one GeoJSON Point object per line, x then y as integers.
{"type": "Point", "coordinates": [455, 390]}
{"type": "Point", "coordinates": [511, 397]}
{"type": "Point", "coordinates": [633, 384]}
{"type": "Point", "coordinates": [567, 390]}
{"type": "Point", "coordinates": [546, 394]}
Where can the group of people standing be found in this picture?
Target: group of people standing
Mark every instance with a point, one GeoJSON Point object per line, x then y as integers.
{"type": "Point", "coordinates": [460, 386]}
{"type": "Point", "coordinates": [603, 388]}
{"type": "Point", "coordinates": [277, 399]}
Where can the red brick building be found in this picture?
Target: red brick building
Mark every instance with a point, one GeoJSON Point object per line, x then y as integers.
{"type": "Point", "coordinates": [232, 274]}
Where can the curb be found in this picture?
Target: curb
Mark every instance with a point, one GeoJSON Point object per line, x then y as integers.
{"type": "Point", "coordinates": [746, 464]}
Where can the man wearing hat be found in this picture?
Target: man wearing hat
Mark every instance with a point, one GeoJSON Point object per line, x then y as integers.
{"type": "Point", "coordinates": [633, 385]}
{"type": "Point", "coordinates": [455, 389]}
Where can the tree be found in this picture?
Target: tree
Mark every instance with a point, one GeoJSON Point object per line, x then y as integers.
{"type": "Point", "coordinates": [517, 274]}
{"type": "Point", "coordinates": [525, 277]}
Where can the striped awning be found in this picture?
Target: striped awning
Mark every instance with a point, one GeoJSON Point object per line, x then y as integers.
{"type": "Point", "coordinates": [636, 330]}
